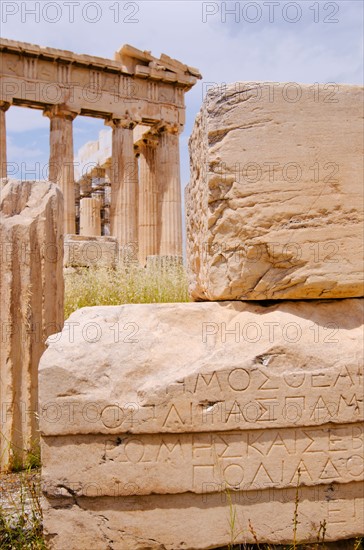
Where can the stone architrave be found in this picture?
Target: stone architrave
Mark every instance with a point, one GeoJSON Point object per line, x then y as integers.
{"type": "Point", "coordinates": [262, 404]}
{"type": "Point", "coordinates": [4, 106]}
{"type": "Point", "coordinates": [275, 202]}
{"type": "Point", "coordinates": [31, 289]}
{"type": "Point", "coordinates": [148, 88]}
{"type": "Point", "coordinates": [61, 167]}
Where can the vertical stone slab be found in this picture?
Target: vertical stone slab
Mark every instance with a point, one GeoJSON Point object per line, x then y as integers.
{"type": "Point", "coordinates": [31, 289]}
{"type": "Point", "coordinates": [148, 199]}
{"type": "Point", "coordinates": [61, 167]}
{"type": "Point", "coordinates": [90, 218]}
{"type": "Point", "coordinates": [169, 193]}
{"type": "Point", "coordinates": [4, 106]}
{"type": "Point", "coordinates": [124, 188]}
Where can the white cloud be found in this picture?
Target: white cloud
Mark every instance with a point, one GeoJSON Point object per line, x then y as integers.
{"type": "Point", "coordinates": [20, 119]}
{"type": "Point", "coordinates": [23, 152]}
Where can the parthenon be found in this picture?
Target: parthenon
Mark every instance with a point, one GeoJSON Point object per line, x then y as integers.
{"type": "Point", "coordinates": [141, 98]}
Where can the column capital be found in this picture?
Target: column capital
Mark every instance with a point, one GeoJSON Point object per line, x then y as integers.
{"type": "Point", "coordinates": [163, 126]}
{"type": "Point", "coordinates": [4, 105]}
{"type": "Point", "coordinates": [126, 123]}
{"type": "Point", "coordinates": [147, 136]}
{"type": "Point", "coordinates": [170, 128]}
{"type": "Point", "coordinates": [59, 111]}
{"type": "Point", "coordinates": [148, 139]}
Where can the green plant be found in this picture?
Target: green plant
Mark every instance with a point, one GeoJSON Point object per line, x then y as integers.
{"type": "Point", "coordinates": [295, 514]}
{"type": "Point", "coordinates": [23, 459]}
{"type": "Point", "coordinates": [21, 528]}
{"type": "Point", "coordinates": [32, 456]}
{"type": "Point", "coordinates": [321, 533]}
{"type": "Point", "coordinates": [232, 523]}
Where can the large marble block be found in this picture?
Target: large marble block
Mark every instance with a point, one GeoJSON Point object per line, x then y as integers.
{"type": "Point", "coordinates": [31, 306]}
{"type": "Point", "coordinates": [274, 207]}
{"type": "Point", "coordinates": [85, 251]}
{"type": "Point", "coordinates": [160, 421]}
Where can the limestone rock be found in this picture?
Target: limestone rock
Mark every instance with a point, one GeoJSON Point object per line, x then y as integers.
{"type": "Point", "coordinates": [199, 522]}
{"type": "Point", "coordinates": [154, 416]}
{"type": "Point", "coordinates": [31, 288]}
{"type": "Point", "coordinates": [275, 202]}
{"type": "Point", "coordinates": [82, 251]}
{"type": "Point", "coordinates": [90, 218]}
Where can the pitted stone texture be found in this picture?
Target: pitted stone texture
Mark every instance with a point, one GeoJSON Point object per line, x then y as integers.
{"type": "Point", "coordinates": [275, 202]}
{"type": "Point", "coordinates": [82, 251]}
{"type": "Point", "coordinates": [167, 409]}
{"type": "Point", "coordinates": [203, 463]}
{"type": "Point", "coordinates": [31, 238]}
{"type": "Point", "coordinates": [128, 358]}
{"type": "Point", "coordinates": [200, 522]}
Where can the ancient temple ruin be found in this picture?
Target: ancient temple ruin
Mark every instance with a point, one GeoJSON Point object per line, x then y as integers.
{"type": "Point", "coordinates": [141, 98]}
{"type": "Point", "coordinates": [93, 181]}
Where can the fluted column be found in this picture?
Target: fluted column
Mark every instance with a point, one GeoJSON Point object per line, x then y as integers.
{"type": "Point", "coordinates": [169, 193]}
{"type": "Point", "coordinates": [148, 199]}
{"type": "Point", "coordinates": [4, 106]}
{"type": "Point", "coordinates": [31, 305]}
{"type": "Point", "coordinates": [61, 167]}
{"type": "Point", "coordinates": [124, 188]}
{"type": "Point", "coordinates": [90, 218]}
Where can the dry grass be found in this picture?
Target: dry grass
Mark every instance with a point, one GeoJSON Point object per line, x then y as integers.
{"type": "Point", "coordinates": [134, 285]}
{"type": "Point", "coordinates": [20, 512]}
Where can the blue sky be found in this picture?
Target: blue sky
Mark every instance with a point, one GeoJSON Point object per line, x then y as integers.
{"type": "Point", "coordinates": [302, 41]}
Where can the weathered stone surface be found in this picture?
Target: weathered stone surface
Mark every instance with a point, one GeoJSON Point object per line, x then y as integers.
{"type": "Point", "coordinates": [275, 202]}
{"type": "Point", "coordinates": [172, 80]}
{"type": "Point", "coordinates": [168, 409]}
{"type": "Point", "coordinates": [90, 219]}
{"type": "Point", "coordinates": [4, 106]}
{"type": "Point", "coordinates": [262, 358]}
{"type": "Point", "coordinates": [31, 288]}
{"type": "Point", "coordinates": [204, 462]}
{"type": "Point", "coordinates": [198, 522]}
{"type": "Point", "coordinates": [61, 157]}
{"type": "Point", "coordinates": [82, 251]}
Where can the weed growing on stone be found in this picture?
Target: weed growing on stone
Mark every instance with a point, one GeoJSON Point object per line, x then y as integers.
{"type": "Point", "coordinates": [321, 534]}
{"type": "Point", "coordinates": [354, 544]}
{"type": "Point", "coordinates": [232, 522]}
{"type": "Point", "coordinates": [22, 459]}
{"type": "Point", "coordinates": [295, 514]}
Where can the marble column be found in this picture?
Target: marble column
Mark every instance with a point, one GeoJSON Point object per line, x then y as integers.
{"type": "Point", "coordinates": [4, 106]}
{"type": "Point", "coordinates": [124, 189]}
{"type": "Point", "coordinates": [31, 306]}
{"type": "Point", "coordinates": [148, 199]}
{"type": "Point", "coordinates": [169, 193]}
{"type": "Point", "coordinates": [61, 167]}
{"type": "Point", "coordinates": [90, 218]}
